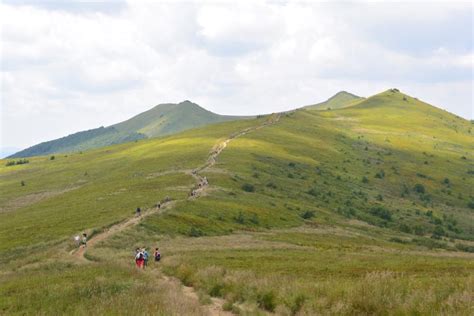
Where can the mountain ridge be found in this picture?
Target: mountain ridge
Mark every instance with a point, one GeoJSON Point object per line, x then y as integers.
{"type": "Point", "coordinates": [161, 120]}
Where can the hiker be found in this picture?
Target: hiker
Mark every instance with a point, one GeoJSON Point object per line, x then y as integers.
{"type": "Point", "coordinates": [77, 240]}
{"type": "Point", "coordinates": [138, 211]}
{"type": "Point", "coordinates": [145, 257]}
{"type": "Point", "coordinates": [157, 255]}
{"type": "Point", "coordinates": [84, 240]}
{"type": "Point", "coordinates": [158, 205]}
{"type": "Point", "coordinates": [139, 260]}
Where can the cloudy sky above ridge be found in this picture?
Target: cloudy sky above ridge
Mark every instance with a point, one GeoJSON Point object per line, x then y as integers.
{"type": "Point", "coordinates": [76, 66]}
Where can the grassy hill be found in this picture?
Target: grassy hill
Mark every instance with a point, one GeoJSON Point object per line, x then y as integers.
{"type": "Point", "coordinates": [366, 209]}
{"type": "Point", "coordinates": [340, 100]}
{"type": "Point", "coordinates": [163, 119]}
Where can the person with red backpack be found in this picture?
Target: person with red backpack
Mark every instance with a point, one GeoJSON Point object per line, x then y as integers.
{"type": "Point", "coordinates": [139, 258]}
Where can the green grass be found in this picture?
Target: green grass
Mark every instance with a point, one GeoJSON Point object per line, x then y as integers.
{"type": "Point", "coordinates": [375, 243]}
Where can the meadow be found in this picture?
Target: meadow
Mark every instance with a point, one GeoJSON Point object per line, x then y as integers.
{"type": "Point", "coordinates": [359, 210]}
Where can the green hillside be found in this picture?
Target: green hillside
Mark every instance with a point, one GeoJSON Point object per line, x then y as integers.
{"type": "Point", "coordinates": [365, 209]}
{"type": "Point", "coordinates": [163, 119]}
{"type": "Point", "coordinates": [341, 99]}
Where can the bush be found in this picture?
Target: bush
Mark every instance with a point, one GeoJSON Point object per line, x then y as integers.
{"type": "Point", "coordinates": [307, 214]}
{"type": "Point", "coordinates": [271, 185]}
{"type": "Point", "coordinates": [380, 174]}
{"type": "Point", "coordinates": [419, 188]}
{"type": "Point", "coordinates": [18, 162]}
{"type": "Point", "coordinates": [365, 179]}
{"type": "Point", "coordinates": [240, 218]}
{"type": "Point", "coordinates": [194, 232]}
{"type": "Point", "coordinates": [297, 304]}
{"type": "Point", "coordinates": [438, 232]}
{"type": "Point", "coordinates": [379, 197]}
{"type": "Point", "coordinates": [266, 301]}
{"type": "Point", "coordinates": [22, 183]}
{"type": "Point", "coordinates": [247, 187]}
{"type": "Point", "coordinates": [312, 192]}
{"type": "Point", "coordinates": [465, 248]}
{"type": "Point", "coordinates": [52, 158]}
{"type": "Point", "coordinates": [446, 181]}
{"type": "Point", "coordinates": [471, 205]}
{"type": "Point", "coordinates": [254, 219]}
{"type": "Point", "coordinates": [382, 213]}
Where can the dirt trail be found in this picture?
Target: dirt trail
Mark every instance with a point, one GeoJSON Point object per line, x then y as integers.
{"type": "Point", "coordinates": [216, 307]}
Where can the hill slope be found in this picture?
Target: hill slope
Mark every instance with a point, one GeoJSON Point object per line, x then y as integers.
{"type": "Point", "coordinates": [341, 99]}
{"type": "Point", "coordinates": [351, 209]}
{"type": "Point", "coordinates": [163, 119]}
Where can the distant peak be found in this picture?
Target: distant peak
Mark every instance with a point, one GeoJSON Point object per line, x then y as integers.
{"type": "Point", "coordinates": [344, 94]}
{"type": "Point", "coordinates": [186, 101]}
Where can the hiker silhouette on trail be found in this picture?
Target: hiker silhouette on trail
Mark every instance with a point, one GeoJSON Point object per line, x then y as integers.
{"type": "Point", "coordinates": [157, 255]}
{"type": "Point", "coordinates": [77, 240]}
{"type": "Point", "coordinates": [84, 240]}
{"type": "Point", "coordinates": [138, 212]}
{"type": "Point", "coordinates": [139, 258]}
{"type": "Point", "coordinates": [145, 257]}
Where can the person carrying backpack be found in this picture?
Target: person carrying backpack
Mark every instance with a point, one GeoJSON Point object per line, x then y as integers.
{"type": "Point", "coordinates": [139, 260]}
{"type": "Point", "coordinates": [157, 255]}
{"type": "Point", "coordinates": [145, 257]}
{"type": "Point", "coordinates": [84, 240]}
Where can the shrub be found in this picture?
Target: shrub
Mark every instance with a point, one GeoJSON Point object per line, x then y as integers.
{"type": "Point", "coordinates": [438, 232]}
{"type": "Point", "coordinates": [271, 185]}
{"type": "Point", "coordinates": [380, 174]}
{"type": "Point", "coordinates": [194, 232]}
{"type": "Point", "coordinates": [22, 183]}
{"type": "Point", "coordinates": [266, 301]}
{"type": "Point", "coordinates": [446, 181]}
{"type": "Point", "coordinates": [240, 218]}
{"type": "Point", "coordinates": [379, 197]}
{"type": "Point", "coordinates": [419, 188]}
{"type": "Point", "coordinates": [312, 192]}
{"type": "Point", "coordinates": [381, 212]}
{"type": "Point", "coordinates": [52, 158]}
{"type": "Point", "coordinates": [254, 219]}
{"type": "Point", "coordinates": [465, 248]}
{"type": "Point", "coordinates": [247, 187]}
{"type": "Point", "coordinates": [307, 214]}
{"type": "Point", "coordinates": [292, 164]}
{"type": "Point", "coordinates": [297, 303]}
{"type": "Point", "coordinates": [10, 163]}
{"type": "Point", "coordinates": [365, 179]}
{"type": "Point", "coordinates": [405, 228]}
{"type": "Point", "coordinates": [470, 204]}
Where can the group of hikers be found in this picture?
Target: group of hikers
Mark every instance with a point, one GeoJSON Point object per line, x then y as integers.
{"type": "Point", "coordinates": [142, 256]}
{"type": "Point", "coordinates": [202, 183]}
{"type": "Point", "coordinates": [81, 241]}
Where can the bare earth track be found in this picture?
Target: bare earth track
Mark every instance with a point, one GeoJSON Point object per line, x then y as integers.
{"type": "Point", "coordinates": [216, 307]}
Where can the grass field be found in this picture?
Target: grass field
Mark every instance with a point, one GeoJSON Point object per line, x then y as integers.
{"type": "Point", "coordinates": [360, 210]}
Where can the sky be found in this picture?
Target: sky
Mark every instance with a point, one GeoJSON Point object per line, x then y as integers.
{"type": "Point", "coordinates": [68, 66]}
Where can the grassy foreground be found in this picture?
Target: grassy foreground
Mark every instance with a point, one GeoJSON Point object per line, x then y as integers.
{"type": "Point", "coordinates": [360, 210]}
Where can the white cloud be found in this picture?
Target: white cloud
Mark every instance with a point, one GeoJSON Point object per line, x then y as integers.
{"type": "Point", "coordinates": [71, 67]}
